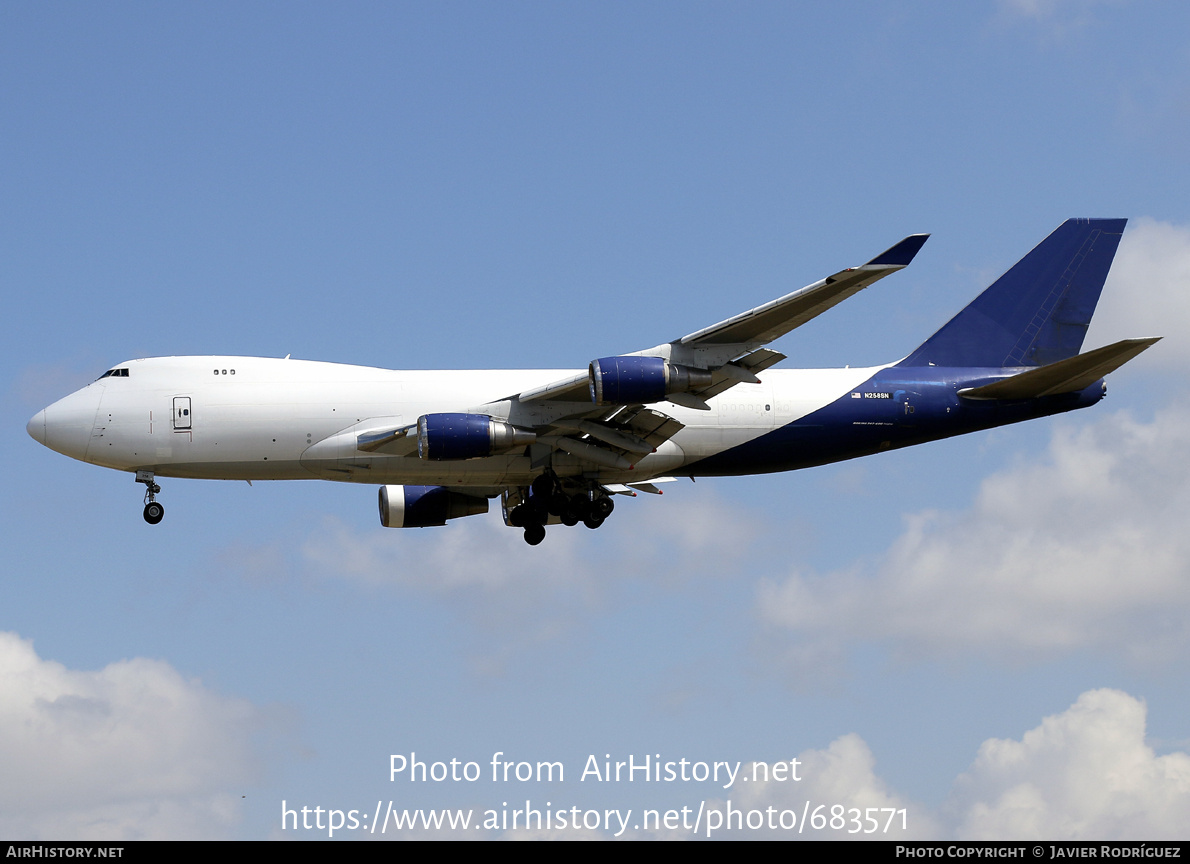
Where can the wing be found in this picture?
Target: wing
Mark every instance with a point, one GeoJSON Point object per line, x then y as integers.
{"type": "Point", "coordinates": [776, 318]}
{"type": "Point", "coordinates": [600, 416]}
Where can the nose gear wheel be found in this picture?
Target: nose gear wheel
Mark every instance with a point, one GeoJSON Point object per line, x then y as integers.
{"type": "Point", "coordinates": [154, 512]}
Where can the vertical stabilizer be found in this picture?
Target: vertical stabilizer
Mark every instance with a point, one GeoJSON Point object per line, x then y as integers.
{"type": "Point", "coordinates": [1036, 313]}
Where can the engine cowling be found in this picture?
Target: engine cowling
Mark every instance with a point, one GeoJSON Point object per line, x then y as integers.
{"type": "Point", "coordinates": [425, 506]}
{"type": "Point", "coordinates": [467, 436]}
{"type": "Point", "coordinates": [631, 380]}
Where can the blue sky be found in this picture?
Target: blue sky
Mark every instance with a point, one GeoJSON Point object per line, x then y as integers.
{"type": "Point", "coordinates": [952, 629]}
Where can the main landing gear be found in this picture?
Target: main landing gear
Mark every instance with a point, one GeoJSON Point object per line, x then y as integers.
{"type": "Point", "coordinates": [154, 512]}
{"type": "Point", "coordinates": [546, 497]}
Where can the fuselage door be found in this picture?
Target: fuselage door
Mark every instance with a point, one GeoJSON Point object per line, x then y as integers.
{"type": "Point", "coordinates": [181, 413]}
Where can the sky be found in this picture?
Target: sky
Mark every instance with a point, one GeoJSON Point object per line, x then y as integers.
{"type": "Point", "coordinates": [978, 638]}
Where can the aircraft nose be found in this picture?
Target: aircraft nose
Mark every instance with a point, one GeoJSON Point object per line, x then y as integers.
{"type": "Point", "coordinates": [66, 425]}
{"type": "Point", "coordinates": [36, 427]}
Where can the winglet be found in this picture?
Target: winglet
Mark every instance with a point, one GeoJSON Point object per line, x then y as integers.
{"type": "Point", "coordinates": [901, 254]}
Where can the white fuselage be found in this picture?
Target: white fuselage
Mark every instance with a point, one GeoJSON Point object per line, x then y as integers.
{"type": "Point", "coordinates": [251, 418]}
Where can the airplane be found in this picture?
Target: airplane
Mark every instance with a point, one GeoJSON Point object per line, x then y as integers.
{"type": "Point", "coordinates": [555, 446]}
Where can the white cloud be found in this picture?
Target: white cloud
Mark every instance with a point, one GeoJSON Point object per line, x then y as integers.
{"type": "Point", "coordinates": [515, 596]}
{"type": "Point", "coordinates": [1032, 8]}
{"type": "Point", "coordinates": [1146, 295]}
{"type": "Point", "coordinates": [1081, 775]}
{"type": "Point", "coordinates": [841, 783]}
{"type": "Point", "coordinates": [1086, 548]}
{"type": "Point", "coordinates": [1058, 18]}
{"type": "Point", "coordinates": [1086, 773]}
{"type": "Point", "coordinates": [131, 751]}
{"type": "Point", "coordinates": [836, 789]}
{"type": "Point", "coordinates": [1042, 9]}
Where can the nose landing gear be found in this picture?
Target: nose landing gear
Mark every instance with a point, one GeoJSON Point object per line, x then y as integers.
{"type": "Point", "coordinates": [154, 512]}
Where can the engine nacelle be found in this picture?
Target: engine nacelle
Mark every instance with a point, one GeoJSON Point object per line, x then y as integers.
{"type": "Point", "coordinates": [632, 380]}
{"type": "Point", "coordinates": [425, 506]}
{"type": "Point", "coordinates": [466, 436]}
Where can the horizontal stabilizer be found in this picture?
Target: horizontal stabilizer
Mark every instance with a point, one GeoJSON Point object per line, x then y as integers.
{"type": "Point", "coordinates": [1065, 376]}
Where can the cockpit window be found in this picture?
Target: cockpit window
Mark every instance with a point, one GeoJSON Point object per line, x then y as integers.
{"type": "Point", "coordinates": [113, 373]}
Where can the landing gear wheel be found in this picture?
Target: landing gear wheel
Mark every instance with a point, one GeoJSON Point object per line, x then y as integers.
{"type": "Point", "coordinates": [580, 507]}
{"type": "Point", "coordinates": [593, 521]}
{"type": "Point", "coordinates": [543, 486]}
{"type": "Point", "coordinates": [534, 534]}
{"type": "Point", "coordinates": [603, 506]}
{"type": "Point", "coordinates": [559, 502]}
{"type": "Point", "coordinates": [153, 511]}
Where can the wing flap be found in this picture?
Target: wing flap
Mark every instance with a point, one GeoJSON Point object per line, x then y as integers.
{"type": "Point", "coordinates": [1065, 376]}
{"type": "Point", "coordinates": [615, 442]}
{"type": "Point", "coordinates": [591, 452]}
{"type": "Point", "coordinates": [653, 427]}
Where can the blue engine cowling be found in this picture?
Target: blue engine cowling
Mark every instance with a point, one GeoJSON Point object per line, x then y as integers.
{"type": "Point", "coordinates": [632, 380]}
{"type": "Point", "coordinates": [466, 436]}
{"type": "Point", "coordinates": [425, 506]}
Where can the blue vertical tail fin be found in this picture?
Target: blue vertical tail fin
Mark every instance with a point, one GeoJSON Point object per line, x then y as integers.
{"type": "Point", "coordinates": [1037, 312]}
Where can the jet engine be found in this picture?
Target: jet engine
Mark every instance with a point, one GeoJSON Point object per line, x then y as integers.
{"type": "Point", "coordinates": [425, 506]}
{"type": "Point", "coordinates": [466, 436]}
{"type": "Point", "coordinates": [631, 380]}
